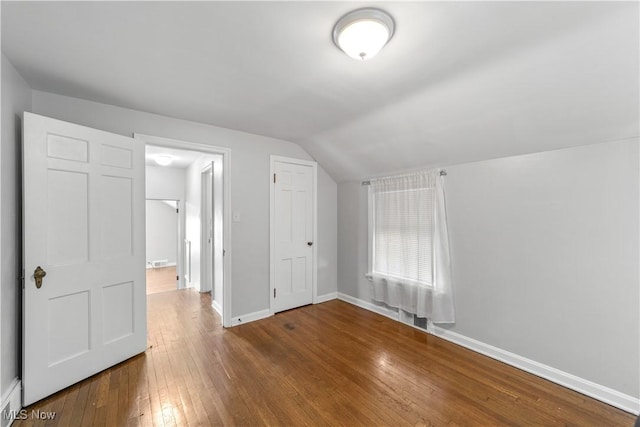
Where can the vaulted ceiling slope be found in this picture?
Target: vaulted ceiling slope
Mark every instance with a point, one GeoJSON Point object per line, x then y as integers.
{"type": "Point", "coordinates": [459, 81]}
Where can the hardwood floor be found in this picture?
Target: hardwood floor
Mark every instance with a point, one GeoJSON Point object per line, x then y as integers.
{"type": "Point", "coordinates": [161, 279]}
{"type": "Point", "coordinates": [327, 364]}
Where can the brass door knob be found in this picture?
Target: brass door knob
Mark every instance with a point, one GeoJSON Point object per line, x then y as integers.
{"type": "Point", "coordinates": [39, 274]}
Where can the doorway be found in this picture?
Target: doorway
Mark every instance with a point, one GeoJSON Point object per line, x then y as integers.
{"type": "Point", "coordinates": [202, 262]}
{"type": "Point", "coordinates": [162, 242]}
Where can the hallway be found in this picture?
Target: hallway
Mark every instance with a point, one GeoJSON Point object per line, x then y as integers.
{"type": "Point", "coordinates": [161, 279]}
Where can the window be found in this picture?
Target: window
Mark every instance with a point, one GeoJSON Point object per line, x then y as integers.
{"type": "Point", "coordinates": [409, 264]}
{"type": "Point", "coordinates": [403, 235]}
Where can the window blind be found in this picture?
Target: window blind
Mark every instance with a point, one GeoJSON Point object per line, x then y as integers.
{"type": "Point", "coordinates": [403, 227]}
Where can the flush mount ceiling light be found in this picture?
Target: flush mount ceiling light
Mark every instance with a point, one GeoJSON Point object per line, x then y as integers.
{"type": "Point", "coordinates": [362, 33]}
{"type": "Point", "coordinates": [163, 159]}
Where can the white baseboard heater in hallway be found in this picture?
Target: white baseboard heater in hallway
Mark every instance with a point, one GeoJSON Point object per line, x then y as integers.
{"type": "Point", "coordinates": [160, 263]}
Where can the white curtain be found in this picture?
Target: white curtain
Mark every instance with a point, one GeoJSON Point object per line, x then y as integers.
{"type": "Point", "coordinates": [410, 265]}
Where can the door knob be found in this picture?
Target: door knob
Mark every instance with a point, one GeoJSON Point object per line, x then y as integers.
{"type": "Point", "coordinates": [309, 243]}
{"type": "Point", "coordinates": [39, 274]}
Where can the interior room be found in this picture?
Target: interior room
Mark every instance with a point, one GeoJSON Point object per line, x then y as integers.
{"type": "Point", "coordinates": [432, 222]}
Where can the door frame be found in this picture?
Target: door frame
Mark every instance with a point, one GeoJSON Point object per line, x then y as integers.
{"type": "Point", "coordinates": [226, 227]}
{"type": "Point", "coordinates": [206, 268]}
{"type": "Point", "coordinates": [272, 226]}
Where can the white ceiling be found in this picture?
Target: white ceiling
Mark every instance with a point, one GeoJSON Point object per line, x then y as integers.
{"type": "Point", "coordinates": [182, 159]}
{"type": "Point", "coordinates": [459, 81]}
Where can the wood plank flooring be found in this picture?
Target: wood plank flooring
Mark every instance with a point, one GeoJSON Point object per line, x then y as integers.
{"type": "Point", "coordinates": [161, 279]}
{"type": "Point", "coordinates": [327, 364]}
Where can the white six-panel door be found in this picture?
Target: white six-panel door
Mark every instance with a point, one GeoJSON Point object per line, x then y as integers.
{"type": "Point", "coordinates": [84, 226]}
{"type": "Point", "coordinates": [292, 234]}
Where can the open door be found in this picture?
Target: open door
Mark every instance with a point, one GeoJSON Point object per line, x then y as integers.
{"type": "Point", "coordinates": [84, 288]}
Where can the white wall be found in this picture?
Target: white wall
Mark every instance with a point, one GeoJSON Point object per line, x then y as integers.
{"type": "Point", "coordinates": [249, 183]}
{"type": "Point", "coordinates": [545, 257]}
{"type": "Point", "coordinates": [164, 183]}
{"type": "Point", "coordinates": [16, 98]}
{"type": "Point", "coordinates": [327, 241]}
{"type": "Point", "coordinates": [162, 232]}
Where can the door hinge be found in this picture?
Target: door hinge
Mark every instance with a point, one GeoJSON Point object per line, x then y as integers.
{"type": "Point", "coordinates": [274, 178]}
{"type": "Point", "coordinates": [177, 277]}
{"type": "Point", "coordinates": [177, 210]}
{"type": "Point", "coordinates": [274, 292]}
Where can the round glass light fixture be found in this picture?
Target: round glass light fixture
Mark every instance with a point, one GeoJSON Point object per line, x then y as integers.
{"type": "Point", "coordinates": [163, 159]}
{"type": "Point", "coordinates": [363, 32]}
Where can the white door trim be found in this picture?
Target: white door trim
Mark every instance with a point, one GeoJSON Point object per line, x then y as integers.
{"type": "Point", "coordinates": [206, 267]}
{"type": "Point", "coordinates": [226, 178]}
{"type": "Point", "coordinates": [272, 225]}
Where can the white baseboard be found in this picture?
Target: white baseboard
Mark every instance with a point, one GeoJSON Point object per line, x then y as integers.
{"type": "Point", "coordinates": [250, 317]}
{"type": "Point", "coordinates": [326, 297]}
{"type": "Point", "coordinates": [217, 307]}
{"type": "Point", "coordinates": [262, 314]}
{"type": "Point", "coordinates": [565, 379]}
{"type": "Point", "coordinates": [384, 311]}
{"type": "Point", "coordinates": [12, 397]}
